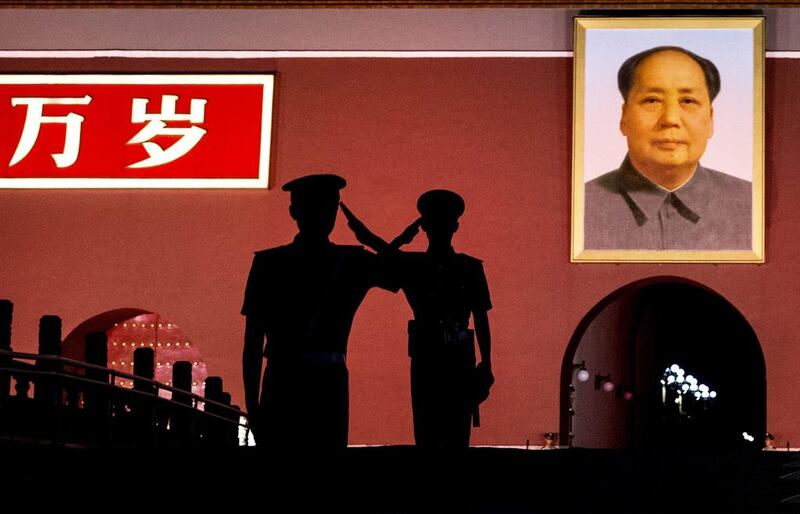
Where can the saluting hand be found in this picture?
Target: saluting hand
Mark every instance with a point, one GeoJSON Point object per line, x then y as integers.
{"type": "Point", "coordinates": [407, 235]}
{"type": "Point", "coordinates": [362, 233]}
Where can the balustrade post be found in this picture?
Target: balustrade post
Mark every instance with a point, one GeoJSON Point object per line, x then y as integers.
{"type": "Point", "coordinates": [214, 429]}
{"type": "Point", "coordinates": [22, 387]}
{"type": "Point", "coordinates": [182, 379]}
{"type": "Point", "coordinates": [96, 396]}
{"type": "Point", "coordinates": [47, 389]}
{"type": "Point", "coordinates": [181, 418]}
{"type": "Point", "coordinates": [6, 312]}
{"type": "Point", "coordinates": [231, 429]}
{"type": "Point", "coordinates": [144, 404]}
{"type": "Point", "coordinates": [213, 392]}
{"type": "Point", "coordinates": [144, 367]}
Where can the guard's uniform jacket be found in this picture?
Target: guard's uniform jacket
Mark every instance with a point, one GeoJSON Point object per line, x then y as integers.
{"type": "Point", "coordinates": [442, 292]}
{"type": "Point", "coordinates": [306, 296]}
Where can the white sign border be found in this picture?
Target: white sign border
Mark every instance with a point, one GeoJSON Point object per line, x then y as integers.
{"type": "Point", "coordinates": [262, 182]}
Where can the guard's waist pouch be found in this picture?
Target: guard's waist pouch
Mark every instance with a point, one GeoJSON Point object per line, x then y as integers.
{"type": "Point", "coordinates": [425, 338]}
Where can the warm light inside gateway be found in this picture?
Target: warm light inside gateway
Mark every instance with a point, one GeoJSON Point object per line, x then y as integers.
{"type": "Point", "coordinates": [168, 342]}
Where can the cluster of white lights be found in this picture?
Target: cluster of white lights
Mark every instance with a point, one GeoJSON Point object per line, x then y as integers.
{"type": "Point", "coordinates": [159, 364]}
{"type": "Point", "coordinates": [129, 383]}
{"type": "Point", "coordinates": [676, 378]}
{"type": "Point", "coordinates": [143, 325]}
{"type": "Point", "coordinates": [142, 344]}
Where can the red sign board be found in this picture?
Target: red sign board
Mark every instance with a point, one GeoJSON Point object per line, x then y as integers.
{"type": "Point", "coordinates": [135, 131]}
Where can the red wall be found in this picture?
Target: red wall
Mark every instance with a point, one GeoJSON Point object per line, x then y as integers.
{"type": "Point", "coordinates": [496, 130]}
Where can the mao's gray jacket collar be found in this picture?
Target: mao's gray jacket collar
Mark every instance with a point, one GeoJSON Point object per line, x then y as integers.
{"type": "Point", "coordinates": [645, 198]}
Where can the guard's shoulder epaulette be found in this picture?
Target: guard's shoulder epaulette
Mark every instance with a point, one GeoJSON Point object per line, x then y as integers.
{"type": "Point", "coordinates": [269, 252]}
{"type": "Point", "coordinates": [470, 259]}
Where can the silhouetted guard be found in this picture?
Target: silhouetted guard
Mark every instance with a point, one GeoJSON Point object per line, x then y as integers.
{"type": "Point", "coordinates": [444, 289]}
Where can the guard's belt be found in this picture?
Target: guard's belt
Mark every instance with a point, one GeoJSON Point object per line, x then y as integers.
{"type": "Point", "coordinates": [324, 357]}
{"type": "Point", "coordinates": [424, 338]}
{"type": "Point", "coordinates": [315, 357]}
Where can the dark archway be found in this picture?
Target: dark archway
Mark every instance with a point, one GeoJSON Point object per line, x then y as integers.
{"type": "Point", "coordinates": [632, 335]}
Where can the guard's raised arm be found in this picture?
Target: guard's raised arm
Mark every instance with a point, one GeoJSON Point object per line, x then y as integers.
{"type": "Point", "coordinates": [364, 235]}
{"type": "Point", "coordinates": [407, 235]}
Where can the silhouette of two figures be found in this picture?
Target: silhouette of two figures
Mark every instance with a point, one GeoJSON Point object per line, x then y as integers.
{"type": "Point", "coordinates": [299, 305]}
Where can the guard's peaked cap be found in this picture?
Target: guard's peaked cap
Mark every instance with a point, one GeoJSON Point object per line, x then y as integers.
{"type": "Point", "coordinates": [315, 184]}
{"type": "Point", "coordinates": [440, 203]}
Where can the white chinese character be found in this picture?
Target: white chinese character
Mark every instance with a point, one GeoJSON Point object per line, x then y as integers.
{"type": "Point", "coordinates": [190, 136]}
{"type": "Point", "coordinates": [34, 120]}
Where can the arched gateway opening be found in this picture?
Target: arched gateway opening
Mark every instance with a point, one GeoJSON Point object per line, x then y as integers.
{"type": "Point", "coordinates": [686, 367]}
{"type": "Point", "coordinates": [128, 329]}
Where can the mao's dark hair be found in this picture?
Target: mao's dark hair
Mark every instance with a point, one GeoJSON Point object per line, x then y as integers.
{"type": "Point", "coordinates": [627, 71]}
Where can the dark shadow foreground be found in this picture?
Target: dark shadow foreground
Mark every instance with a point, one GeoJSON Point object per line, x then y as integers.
{"type": "Point", "coordinates": [401, 479]}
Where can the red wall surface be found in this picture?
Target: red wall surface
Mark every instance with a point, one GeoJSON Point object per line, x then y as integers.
{"type": "Point", "coordinates": [496, 130]}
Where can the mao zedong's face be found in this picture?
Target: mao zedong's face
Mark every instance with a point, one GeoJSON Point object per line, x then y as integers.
{"type": "Point", "coordinates": [667, 118]}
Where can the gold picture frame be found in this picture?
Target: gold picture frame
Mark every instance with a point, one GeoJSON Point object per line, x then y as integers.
{"type": "Point", "coordinates": [634, 216]}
